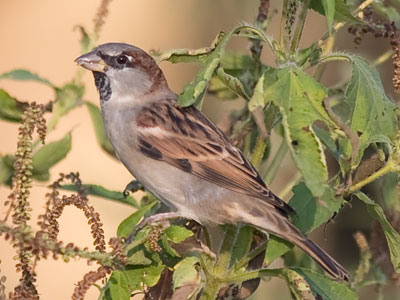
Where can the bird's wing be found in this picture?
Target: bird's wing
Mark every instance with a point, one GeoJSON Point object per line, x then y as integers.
{"type": "Point", "coordinates": [186, 139]}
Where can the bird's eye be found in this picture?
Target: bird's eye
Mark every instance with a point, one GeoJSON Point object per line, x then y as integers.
{"type": "Point", "coordinates": [122, 59]}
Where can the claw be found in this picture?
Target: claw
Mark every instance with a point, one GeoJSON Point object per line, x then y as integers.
{"type": "Point", "coordinates": [132, 186]}
{"type": "Point", "coordinates": [162, 218]}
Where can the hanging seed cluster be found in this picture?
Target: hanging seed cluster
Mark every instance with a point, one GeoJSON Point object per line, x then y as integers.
{"type": "Point", "coordinates": [55, 206]}
{"type": "Point", "coordinates": [380, 28]}
{"type": "Point", "coordinates": [31, 119]}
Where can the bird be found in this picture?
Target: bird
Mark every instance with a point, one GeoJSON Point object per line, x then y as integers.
{"type": "Point", "coordinates": [182, 157]}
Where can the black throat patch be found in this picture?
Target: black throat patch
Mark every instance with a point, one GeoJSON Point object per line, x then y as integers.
{"type": "Point", "coordinates": [103, 85]}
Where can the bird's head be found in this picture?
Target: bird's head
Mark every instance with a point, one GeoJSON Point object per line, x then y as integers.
{"type": "Point", "coordinates": [123, 71]}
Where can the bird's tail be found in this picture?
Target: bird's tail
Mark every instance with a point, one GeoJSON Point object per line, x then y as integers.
{"type": "Point", "coordinates": [272, 221]}
{"type": "Point", "coordinates": [322, 258]}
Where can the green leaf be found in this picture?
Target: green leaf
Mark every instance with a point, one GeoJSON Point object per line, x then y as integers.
{"type": "Point", "coordinates": [138, 258]}
{"type": "Point", "coordinates": [341, 11]}
{"type": "Point", "coordinates": [276, 248]}
{"type": "Point", "coordinates": [50, 154]}
{"type": "Point", "coordinates": [218, 87]}
{"type": "Point", "coordinates": [328, 140]}
{"type": "Point", "coordinates": [25, 75]}
{"type": "Point", "coordinates": [232, 83]}
{"type": "Point", "coordinates": [258, 100]}
{"type": "Point", "coordinates": [177, 234]}
{"type": "Point", "coordinates": [371, 113]}
{"type": "Point", "coordinates": [194, 91]}
{"type": "Point", "coordinates": [390, 191]}
{"type": "Point", "coordinates": [85, 40]}
{"type": "Point", "coordinates": [127, 225]}
{"type": "Point", "coordinates": [310, 213]}
{"type": "Point", "coordinates": [101, 135]}
{"type": "Point", "coordinates": [186, 272]}
{"type": "Point", "coordinates": [327, 288]}
{"type": "Point", "coordinates": [392, 236]}
{"type": "Point", "coordinates": [300, 99]}
{"type": "Point", "coordinates": [10, 108]}
{"type": "Point", "coordinates": [118, 286]}
{"type": "Point", "coordinates": [329, 9]}
{"type": "Point", "coordinates": [97, 190]}
{"type": "Point", "coordinates": [6, 171]}
{"type": "Point", "coordinates": [67, 98]}
{"type": "Point", "coordinates": [244, 238]}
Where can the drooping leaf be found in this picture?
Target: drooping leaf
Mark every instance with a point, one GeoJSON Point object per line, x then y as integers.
{"type": "Point", "coordinates": [25, 75]}
{"type": "Point", "coordinates": [50, 154]}
{"type": "Point", "coordinates": [392, 236]}
{"type": "Point", "coordinates": [342, 11]}
{"type": "Point", "coordinates": [232, 83]}
{"type": "Point", "coordinates": [101, 135]}
{"type": "Point", "coordinates": [372, 115]}
{"type": "Point", "coordinates": [10, 108]}
{"type": "Point", "coordinates": [185, 272]}
{"type": "Point", "coordinates": [97, 190]}
{"type": "Point", "coordinates": [327, 288]}
{"type": "Point", "coordinates": [194, 91]}
{"type": "Point", "coordinates": [310, 214]}
{"type": "Point", "coordinates": [126, 227]}
{"type": "Point", "coordinates": [300, 98]}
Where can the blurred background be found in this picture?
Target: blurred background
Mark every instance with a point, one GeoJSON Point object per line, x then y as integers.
{"type": "Point", "coordinates": [41, 36]}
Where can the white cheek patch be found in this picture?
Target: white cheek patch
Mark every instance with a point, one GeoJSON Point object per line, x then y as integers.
{"type": "Point", "coordinates": [129, 82]}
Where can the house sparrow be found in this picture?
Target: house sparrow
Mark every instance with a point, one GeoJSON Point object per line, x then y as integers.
{"type": "Point", "coordinates": [181, 156]}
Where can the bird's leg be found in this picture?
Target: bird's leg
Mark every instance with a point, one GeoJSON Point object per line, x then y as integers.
{"type": "Point", "coordinates": [132, 186]}
{"type": "Point", "coordinates": [162, 218]}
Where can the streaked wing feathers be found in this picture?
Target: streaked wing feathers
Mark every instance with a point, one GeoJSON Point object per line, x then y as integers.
{"type": "Point", "coordinates": [186, 139]}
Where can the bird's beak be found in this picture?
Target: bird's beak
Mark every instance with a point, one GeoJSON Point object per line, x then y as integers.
{"type": "Point", "coordinates": [91, 61]}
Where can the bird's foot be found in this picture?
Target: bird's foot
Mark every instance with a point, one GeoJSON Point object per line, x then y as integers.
{"type": "Point", "coordinates": [162, 218]}
{"type": "Point", "coordinates": [132, 186]}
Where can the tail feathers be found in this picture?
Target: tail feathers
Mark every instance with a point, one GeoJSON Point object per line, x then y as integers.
{"type": "Point", "coordinates": [264, 217]}
{"type": "Point", "coordinates": [323, 259]}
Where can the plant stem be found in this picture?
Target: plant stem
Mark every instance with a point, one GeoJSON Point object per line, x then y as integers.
{"type": "Point", "coordinates": [245, 260]}
{"type": "Point", "coordinates": [259, 151]}
{"type": "Point", "coordinates": [254, 274]}
{"type": "Point", "coordinates": [210, 290]}
{"type": "Point", "coordinates": [276, 162]}
{"type": "Point", "coordinates": [300, 20]}
{"type": "Point", "coordinates": [382, 58]}
{"type": "Point", "coordinates": [384, 170]}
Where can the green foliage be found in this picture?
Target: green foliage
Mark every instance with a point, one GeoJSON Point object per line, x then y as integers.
{"type": "Point", "coordinates": [10, 108]}
{"type": "Point", "coordinates": [101, 135]}
{"type": "Point", "coordinates": [392, 236]}
{"type": "Point", "coordinates": [97, 190]}
{"type": "Point", "coordinates": [25, 75]}
{"type": "Point", "coordinates": [353, 123]}
{"type": "Point", "coordinates": [50, 154]}
{"type": "Point", "coordinates": [325, 287]}
{"type": "Point", "coordinates": [127, 225]}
